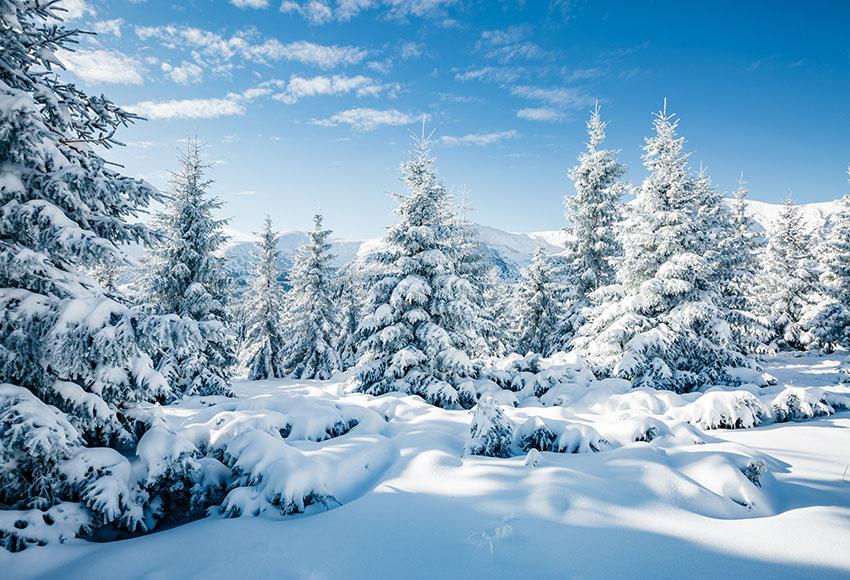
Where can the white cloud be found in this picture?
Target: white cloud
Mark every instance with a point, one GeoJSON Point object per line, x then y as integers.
{"type": "Point", "coordinates": [489, 73]}
{"type": "Point", "coordinates": [186, 73]}
{"type": "Point", "coordinates": [222, 50]}
{"type": "Point", "coordinates": [541, 114]}
{"type": "Point", "coordinates": [508, 45]}
{"type": "Point", "coordinates": [258, 4]}
{"type": "Point", "coordinates": [478, 138]}
{"type": "Point", "coordinates": [362, 86]}
{"type": "Point", "coordinates": [410, 50]}
{"type": "Point", "coordinates": [324, 11]}
{"type": "Point", "coordinates": [112, 27]}
{"type": "Point", "coordinates": [74, 10]}
{"type": "Point", "coordinates": [103, 66]}
{"type": "Point", "coordinates": [562, 96]}
{"type": "Point", "coordinates": [367, 119]}
{"type": "Point", "coordinates": [187, 109]}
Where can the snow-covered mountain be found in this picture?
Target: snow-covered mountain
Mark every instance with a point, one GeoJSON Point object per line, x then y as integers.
{"type": "Point", "coordinates": [509, 251]}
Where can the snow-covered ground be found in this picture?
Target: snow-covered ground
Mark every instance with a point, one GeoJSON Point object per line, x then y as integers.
{"type": "Point", "coordinates": [407, 503]}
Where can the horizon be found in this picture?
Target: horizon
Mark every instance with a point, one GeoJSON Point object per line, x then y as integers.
{"type": "Point", "coordinates": [305, 109]}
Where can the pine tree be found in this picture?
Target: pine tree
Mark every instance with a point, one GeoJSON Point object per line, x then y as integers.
{"type": "Point", "coordinates": [495, 313]}
{"type": "Point", "coordinates": [832, 324]}
{"type": "Point", "coordinates": [738, 274]}
{"type": "Point", "coordinates": [70, 358]}
{"type": "Point", "coordinates": [265, 339]}
{"type": "Point", "coordinates": [789, 281]}
{"type": "Point", "coordinates": [592, 215]}
{"type": "Point", "coordinates": [419, 309]}
{"type": "Point", "coordinates": [349, 298]}
{"type": "Point", "coordinates": [663, 324]}
{"type": "Point", "coordinates": [188, 279]}
{"type": "Point", "coordinates": [312, 319]}
{"type": "Point", "coordinates": [470, 265]}
{"type": "Point", "coordinates": [537, 307]}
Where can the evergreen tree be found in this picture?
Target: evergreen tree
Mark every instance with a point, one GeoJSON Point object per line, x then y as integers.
{"type": "Point", "coordinates": [663, 324]}
{"type": "Point", "coordinates": [264, 340]}
{"type": "Point", "coordinates": [495, 313]}
{"type": "Point", "coordinates": [349, 298]}
{"type": "Point", "coordinates": [789, 281]}
{"type": "Point", "coordinates": [188, 279]}
{"type": "Point", "coordinates": [537, 307]}
{"type": "Point", "coordinates": [312, 318]}
{"type": "Point", "coordinates": [419, 309]}
{"type": "Point", "coordinates": [831, 326]}
{"type": "Point", "coordinates": [592, 216]}
{"type": "Point", "coordinates": [70, 360]}
{"type": "Point", "coordinates": [738, 274]}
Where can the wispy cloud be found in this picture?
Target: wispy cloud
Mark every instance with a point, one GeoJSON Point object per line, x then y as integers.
{"type": "Point", "coordinates": [222, 50]}
{"type": "Point", "coordinates": [187, 109]}
{"type": "Point", "coordinates": [363, 119]}
{"type": "Point", "coordinates": [76, 9]}
{"type": "Point", "coordinates": [566, 97]}
{"type": "Point", "coordinates": [324, 11]}
{"type": "Point", "coordinates": [362, 86]}
{"type": "Point", "coordinates": [509, 45]}
{"type": "Point", "coordinates": [112, 27]}
{"type": "Point", "coordinates": [540, 114]}
{"type": "Point", "coordinates": [186, 73]}
{"type": "Point", "coordinates": [478, 138]}
{"type": "Point", "coordinates": [489, 73]}
{"type": "Point", "coordinates": [103, 66]}
{"type": "Point", "coordinates": [257, 4]}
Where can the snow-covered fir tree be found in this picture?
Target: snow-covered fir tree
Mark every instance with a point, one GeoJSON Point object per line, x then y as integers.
{"type": "Point", "coordinates": [349, 298]}
{"type": "Point", "coordinates": [70, 362]}
{"type": "Point", "coordinates": [831, 325]}
{"type": "Point", "coordinates": [538, 307]}
{"type": "Point", "coordinates": [312, 318]}
{"type": "Point", "coordinates": [496, 308]}
{"type": "Point", "coordinates": [419, 311]}
{"type": "Point", "coordinates": [738, 273]}
{"type": "Point", "coordinates": [187, 278]}
{"type": "Point", "coordinates": [593, 215]}
{"type": "Point", "coordinates": [662, 325]}
{"type": "Point", "coordinates": [490, 433]}
{"type": "Point", "coordinates": [265, 338]}
{"type": "Point", "coordinates": [788, 285]}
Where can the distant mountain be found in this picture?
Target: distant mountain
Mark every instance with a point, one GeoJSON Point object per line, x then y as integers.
{"type": "Point", "coordinates": [508, 251]}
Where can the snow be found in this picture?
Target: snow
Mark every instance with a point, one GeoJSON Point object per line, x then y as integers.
{"type": "Point", "coordinates": [639, 486]}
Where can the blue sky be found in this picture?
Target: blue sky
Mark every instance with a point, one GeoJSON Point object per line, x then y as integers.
{"type": "Point", "coordinates": [308, 104]}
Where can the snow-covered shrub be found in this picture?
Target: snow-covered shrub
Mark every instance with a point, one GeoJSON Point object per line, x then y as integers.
{"type": "Point", "coordinates": [581, 439]}
{"type": "Point", "coordinates": [534, 434]}
{"type": "Point", "coordinates": [797, 404]}
{"type": "Point", "coordinates": [725, 410]}
{"type": "Point", "coordinates": [35, 439]}
{"type": "Point", "coordinates": [57, 524]}
{"type": "Point", "coordinates": [102, 479]}
{"type": "Point", "coordinates": [490, 433]}
{"type": "Point", "coordinates": [271, 475]}
{"type": "Point", "coordinates": [755, 470]}
{"type": "Point", "coordinates": [170, 476]}
{"type": "Point", "coordinates": [550, 379]}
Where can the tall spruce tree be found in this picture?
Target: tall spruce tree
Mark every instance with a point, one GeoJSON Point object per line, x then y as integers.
{"type": "Point", "coordinates": [788, 284]}
{"type": "Point", "coordinates": [593, 214]}
{"type": "Point", "coordinates": [419, 309]}
{"type": "Point", "coordinates": [738, 274]}
{"type": "Point", "coordinates": [496, 308]}
{"type": "Point", "coordinates": [312, 318]}
{"type": "Point", "coordinates": [663, 324]}
{"type": "Point", "coordinates": [265, 339]}
{"type": "Point", "coordinates": [70, 361]}
{"type": "Point", "coordinates": [349, 298]}
{"type": "Point", "coordinates": [538, 307]}
{"type": "Point", "coordinates": [831, 326]}
{"type": "Point", "coordinates": [187, 278]}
